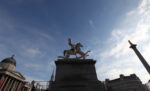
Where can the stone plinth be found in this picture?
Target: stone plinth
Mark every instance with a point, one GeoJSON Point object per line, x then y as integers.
{"type": "Point", "coordinates": [76, 75]}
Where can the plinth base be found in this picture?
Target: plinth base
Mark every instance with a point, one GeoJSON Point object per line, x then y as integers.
{"type": "Point", "coordinates": [76, 75]}
{"type": "Point", "coordinates": [77, 86]}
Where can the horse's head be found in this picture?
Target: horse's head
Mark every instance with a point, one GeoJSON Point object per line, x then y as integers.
{"type": "Point", "coordinates": [79, 44]}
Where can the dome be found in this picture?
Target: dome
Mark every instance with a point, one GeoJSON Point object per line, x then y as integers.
{"type": "Point", "coordinates": [9, 60]}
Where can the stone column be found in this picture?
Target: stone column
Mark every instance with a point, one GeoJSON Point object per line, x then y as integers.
{"type": "Point", "coordinates": [14, 84]}
{"type": "Point", "coordinates": [7, 84]}
{"type": "Point", "coordinates": [1, 81]}
{"type": "Point", "coordinates": [10, 86]}
{"type": "Point", "coordinates": [19, 86]}
{"type": "Point", "coordinates": [22, 89]}
{"type": "Point", "coordinates": [6, 77]}
{"type": "Point", "coordinates": [146, 65]}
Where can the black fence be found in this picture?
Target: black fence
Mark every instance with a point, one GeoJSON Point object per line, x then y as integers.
{"type": "Point", "coordinates": [41, 85]}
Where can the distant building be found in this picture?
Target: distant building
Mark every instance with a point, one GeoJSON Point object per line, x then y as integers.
{"type": "Point", "coordinates": [11, 80]}
{"type": "Point", "coordinates": [125, 83]}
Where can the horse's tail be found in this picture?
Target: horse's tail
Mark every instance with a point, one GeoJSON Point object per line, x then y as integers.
{"type": "Point", "coordinates": [65, 52]}
{"type": "Point", "coordinates": [60, 57]}
{"type": "Point", "coordinates": [87, 52]}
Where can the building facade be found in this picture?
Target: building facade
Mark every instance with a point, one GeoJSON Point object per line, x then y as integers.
{"type": "Point", "coordinates": [11, 80]}
{"type": "Point", "coordinates": [125, 83]}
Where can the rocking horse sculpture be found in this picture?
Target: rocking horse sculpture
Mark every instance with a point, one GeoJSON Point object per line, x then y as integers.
{"type": "Point", "coordinates": [75, 49]}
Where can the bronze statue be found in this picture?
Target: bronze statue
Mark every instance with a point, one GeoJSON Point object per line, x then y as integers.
{"type": "Point", "coordinates": [75, 49]}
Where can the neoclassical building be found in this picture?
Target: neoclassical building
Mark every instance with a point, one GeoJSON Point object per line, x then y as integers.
{"type": "Point", "coordinates": [125, 83]}
{"type": "Point", "coordinates": [11, 80]}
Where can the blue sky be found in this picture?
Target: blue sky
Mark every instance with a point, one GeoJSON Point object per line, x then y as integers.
{"type": "Point", "coordinates": [36, 31]}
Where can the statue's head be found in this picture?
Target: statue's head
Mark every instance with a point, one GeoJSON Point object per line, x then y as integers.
{"type": "Point", "coordinates": [79, 44]}
{"type": "Point", "coordinates": [69, 38]}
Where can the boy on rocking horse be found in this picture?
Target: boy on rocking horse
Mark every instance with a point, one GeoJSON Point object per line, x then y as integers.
{"type": "Point", "coordinates": [75, 49]}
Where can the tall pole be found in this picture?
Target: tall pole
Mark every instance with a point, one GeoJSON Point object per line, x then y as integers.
{"type": "Point", "coordinates": [133, 46]}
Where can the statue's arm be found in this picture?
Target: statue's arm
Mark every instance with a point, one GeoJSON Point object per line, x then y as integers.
{"type": "Point", "coordinates": [70, 42]}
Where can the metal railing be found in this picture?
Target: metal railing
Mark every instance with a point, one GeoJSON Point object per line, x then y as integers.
{"type": "Point", "coordinates": [41, 85]}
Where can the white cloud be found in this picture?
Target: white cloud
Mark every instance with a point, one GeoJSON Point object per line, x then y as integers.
{"type": "Point", "coordinates": [144, 6]}
{"type": "Point", "coordinates": [33, 52]}
{"type": "Point", "coordinates": [123, 59]}
{"type": "Point", "coordinates": [33, 66]}
{"type": "Point", "coordinates": [91, 23]}
{"type": "Point", "coordinates": [30, 78]}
